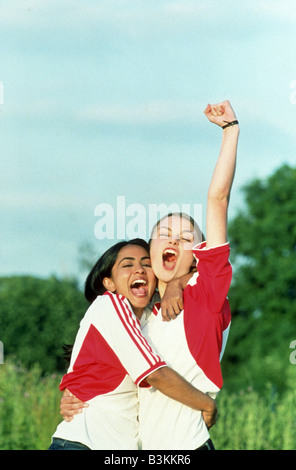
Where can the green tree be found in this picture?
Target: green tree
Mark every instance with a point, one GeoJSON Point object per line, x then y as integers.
{"type": "Point", "coordinates": [263, 292]}
{"type": "Point", "coordinates": [37, 317]}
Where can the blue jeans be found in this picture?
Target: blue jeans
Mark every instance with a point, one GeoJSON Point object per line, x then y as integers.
{"type": "Point", "coordinates": [62, 444]}
{"type": "Point", "coordinates": [207, 445]}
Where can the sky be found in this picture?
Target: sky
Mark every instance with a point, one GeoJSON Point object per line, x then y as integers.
{"type": "Point", "coordinates": [101, 108]}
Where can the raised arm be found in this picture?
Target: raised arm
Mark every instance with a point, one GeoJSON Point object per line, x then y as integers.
{"type": "Point", "coordinates": [220, 187]}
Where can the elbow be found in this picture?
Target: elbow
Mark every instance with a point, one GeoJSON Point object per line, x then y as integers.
{"type": "Point", "coordinates": [156, 378]}
{"type": "Point", "coordinates": [220, 198]}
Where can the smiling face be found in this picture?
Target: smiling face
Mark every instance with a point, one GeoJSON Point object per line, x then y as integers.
{"type": "Point", "coordinates": [171, 248]}
{"type": "Point", "coordinates": [133, 277]}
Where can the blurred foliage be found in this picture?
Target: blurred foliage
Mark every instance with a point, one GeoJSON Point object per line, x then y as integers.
{"type": "Point", "coordinates": [252, 420]}
{"type": "Point", "coordinates": [37, 317]}
{"type": "Point", "coordinates": [248, 420]}
{"type": "Point", "coordinates": [29, 407]}
{"type": "Point", "coordinates": [257, 406]}
{"type": "Point", "coordinates": [263, 291]}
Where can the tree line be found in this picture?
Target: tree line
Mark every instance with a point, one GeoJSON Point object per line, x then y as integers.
{"type": "Point", "coordinates": [38, 316]}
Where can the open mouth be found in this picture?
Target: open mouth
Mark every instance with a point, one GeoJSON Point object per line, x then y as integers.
{"type": "Point", "coordinates": [139, 288]}
{"type": "Point", "coordinates": [169, 258]}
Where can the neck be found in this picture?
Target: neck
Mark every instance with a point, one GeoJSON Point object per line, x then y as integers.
{"type": "Point", "coordinates": [161, 287]}
{"type": "Point", "coordinates": [138, 312]}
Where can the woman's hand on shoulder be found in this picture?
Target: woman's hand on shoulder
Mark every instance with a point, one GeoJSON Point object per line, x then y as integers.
{"type": "Point", "coordinates": [172, 300]}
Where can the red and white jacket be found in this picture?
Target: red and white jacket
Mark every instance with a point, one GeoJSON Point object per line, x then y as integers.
{"type": "Point", "coordinates": [110, 358]}
{"type": "Point", "coordinates": [192, 345]}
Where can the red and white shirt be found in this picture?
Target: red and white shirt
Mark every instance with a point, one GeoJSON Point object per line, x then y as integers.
{"type": "Point", "coordinates": [110, 358]}
{"type": "Point", "coordinates": [192, 345]}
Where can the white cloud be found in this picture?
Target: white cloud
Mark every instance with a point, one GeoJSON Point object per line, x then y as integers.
{"type": "Point", "coordinates": [23, 12]}
{"type": "Point", "coordinates": [36, 200]}
{"type": "Point", "coordinates": [150, 113]}
{"type": "Point", "coordinates": [28, 11]}
{"type": "Point", "coordinates": [284, 10]}
{"type": "Point", "coordinates": [142, 18]}
{"type": "Point", "coordinates": [187, 8]}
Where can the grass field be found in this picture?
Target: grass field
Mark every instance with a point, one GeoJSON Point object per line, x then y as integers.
{"type": "Point", "coordinates": [29, 413]}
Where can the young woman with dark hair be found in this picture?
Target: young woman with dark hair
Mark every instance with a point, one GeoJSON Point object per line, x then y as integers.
{"type": "Point", "coordinates": [94, 284]}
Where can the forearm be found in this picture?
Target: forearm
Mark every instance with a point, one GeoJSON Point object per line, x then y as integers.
{"type": "Point", "coordinates": [223, 175]}
{"type": "Point", "coordinates": [172, 299]}
{"type": "Point", "coordinates": [174, 386]}
{"type": "Point", "coordinates": [181, 281]}
{"type": "Point", "coordinates": [220, 188]}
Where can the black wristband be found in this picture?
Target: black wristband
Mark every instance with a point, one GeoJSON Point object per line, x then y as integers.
{"type": "Point", "coordinates": [232, 123]}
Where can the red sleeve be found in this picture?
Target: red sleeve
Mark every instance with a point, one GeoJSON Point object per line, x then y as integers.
{"type": "Point", "coordinates": [214, 272]}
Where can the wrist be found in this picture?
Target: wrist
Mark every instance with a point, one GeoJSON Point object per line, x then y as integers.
{"type": "Point", "coordinates": [230, 124]}
{"type": "Point", "coordinates": [234, 128]}
{"type": "Point", "coordinates": [231, 132]}
{"type": "Point", "coordinates": [182, 281]}
{"type": "Point", "coordinates": [177, 282]}
{"type": "Point", "coordinates": [210, 406]}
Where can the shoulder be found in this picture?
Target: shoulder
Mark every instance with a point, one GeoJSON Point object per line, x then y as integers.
{"type": "Point", "coordinates": [202, 251]}
{"type": "Point", "coordinates": [212, 258]}
{"type": "Point", "coordinates": [106, 303]}
{"type": "Point", "coordinates": [109, 312]}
